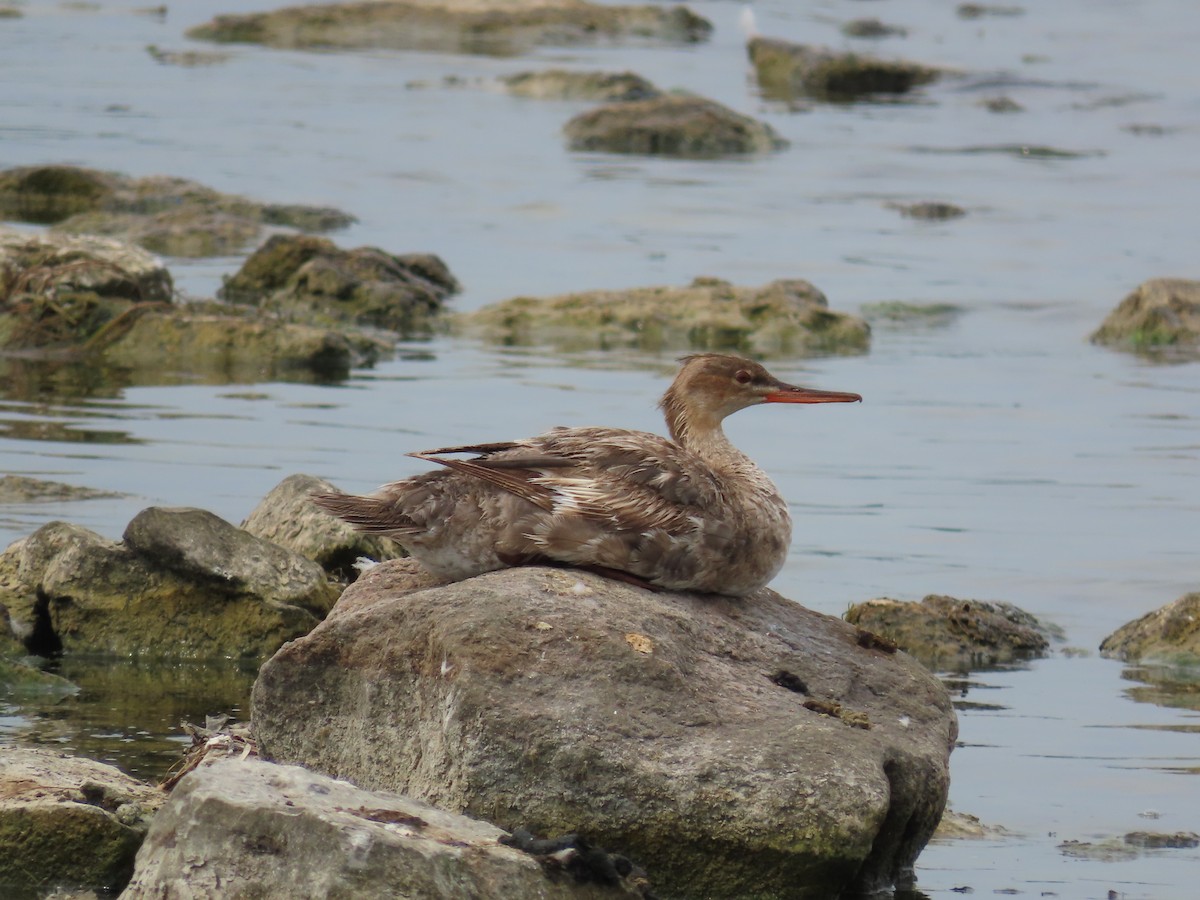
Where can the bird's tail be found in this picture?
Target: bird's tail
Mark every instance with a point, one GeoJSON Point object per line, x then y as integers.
{"type": "Point", "coordinates": [373, 515]}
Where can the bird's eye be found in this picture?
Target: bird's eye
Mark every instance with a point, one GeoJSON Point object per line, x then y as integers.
{"type": "Point", "coordinates": [743, 377]}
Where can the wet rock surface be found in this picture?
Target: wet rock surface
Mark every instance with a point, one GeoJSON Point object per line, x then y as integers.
{"type": "Point", "coordinates": [284, 831]}
{"type": "Point", "coordinates": [731, 747]}
{"type": "Point", "coordinates": [312, 280]}
{"type": "Point", "coordinates": [1169, 633]}
{"type": "Point", "coordinates": [287, 517]}
{"type": "Point", "coordinates": [172, 216]}
{"type": "Point", "coordinates": [781, 318]}
{"type": "Point", "coordinates": [949, 633]}
{"type": "Point", "coordinates": [183, 583]}
{"type": "Point", "coordinates": [786, 70]}
{"type": "Point", "coordinates": [496, 27]}
{"type": "Point", "coordinates": [68, 822]}
{"type": "Point", "coordinates": [565, 84]}
{"type": "Point", "coordinates": [678, 125]}
{"type": "Point", "coordinates": [1161, 317]}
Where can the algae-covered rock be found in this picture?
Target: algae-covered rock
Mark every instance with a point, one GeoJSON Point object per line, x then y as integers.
{"type": "Point", "coordinates": [106, 305]}
{"type": "Point", "coordinates": [312, 280]}
{"type": "Point", "coordinates": [173, 216]}
{"type": "Point", "coordinates": [218, 343]}
{"type": "Point", "coordinates": [287, 516]}
{"type": "Point", "coordinates": [782, 318]}
{"type": "Point", "coordinates": [498, 27]}
{"type": "Point", "coordinates": [183, 584]}
{"type": "Point", "coordinates": [68, 822]}
{"type": "Point", "coordinates": [1160, 318]}
{"type": "Point", "coordinates": [58, 291]}
{"type": "Point", "coordinates": [786, 70]}
{"type": "Point", "coordinates": [734, 748]}
{"type": "Point", "coordinates": [1169, 633]}
{"type": "Point", "coordinates": [679, 125]}
{"type": "Point", "coordinates": [948, 633]}
{"type": "Point", "coordinates": [564, 84]}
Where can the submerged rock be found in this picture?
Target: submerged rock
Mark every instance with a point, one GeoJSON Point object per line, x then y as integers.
{"type": "Point", "coordinates": [182, 584]}
{"type": "Point", "coordinates": [1169, 633]}
{"type": "Point", "coordinates": [564, 84]}
{"type": "Point", "coordinates": [21, 489]}
{"type": "Point", "coordinates": [786, 70]}
{"type": "Point", "coordinates": [679, 125]}
{"type": "Point", "coordinates": [785, 317]}
{"type": "Point", "coordinates": [282, 831]}
{"type": "Point", "coordinates": [948, 633]}
{"type": "Point", "coordinates": [288, 517]}
{"type": "Point", "coordinates": [498, 27]}
{"type": "Point", "coordinates": [67, 822]}
{"type": "Point", "coordinates": [928, 210]}
{"type": "Point", "coordinates": [172, 216]}
{"type": "Point", "coordinates": [872, 28]}
{"type": "Point", "coordinates": [1160, 318]}
{"type": "Point", "coordinates": [732, 747]}
{"type": "Point", "coordinates": [312, 280]}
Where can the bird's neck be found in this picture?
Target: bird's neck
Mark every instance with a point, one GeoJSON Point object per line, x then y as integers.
{"type": "Point", "coordinates": [699, 431]}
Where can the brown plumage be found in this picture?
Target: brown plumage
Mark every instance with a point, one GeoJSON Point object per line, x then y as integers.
{"type": "Point", "coordinates": [689, 513]}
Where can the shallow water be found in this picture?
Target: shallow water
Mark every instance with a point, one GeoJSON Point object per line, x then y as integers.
{"type": "Point", "coordinates": [997, 456]}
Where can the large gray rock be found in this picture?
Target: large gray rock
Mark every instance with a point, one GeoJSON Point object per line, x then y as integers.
{"type": "Point", "coordinates": [68, 822]}
{"type": "Point", "coordinates": [262, 830]}
{"type": "Point", "coordinates": [286, 516]}
{"type": "Point", "coordinates": [1160, 318]}
{"type": "Point", "coordinates": [184, 583]}
{"type": "Point", "coordinates": [733, 747]}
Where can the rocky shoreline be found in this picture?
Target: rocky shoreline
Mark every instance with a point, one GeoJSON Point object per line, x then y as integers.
{"type": "Point", "coordinates": [431, 725]}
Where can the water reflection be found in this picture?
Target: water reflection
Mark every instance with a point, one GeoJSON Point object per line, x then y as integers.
{"type": "Point", "coordinates": [128, 712]}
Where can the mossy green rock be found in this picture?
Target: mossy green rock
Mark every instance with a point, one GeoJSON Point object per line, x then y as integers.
{"type": "Point", "coordinates": [786, 70]}
{"type": "Point", "coordinates": [183, 584]}
{"type": "Point", "coordinates": [946, 633]}
{"type": "Point", "coordinates": [1170, 633]}
{"type": "Point", "coordinates": [310, 279]}
{"type": "Point", "coordinates": [172, 216]}
{"type": "Point", "coordinates": [734, 747]}
{"type": "Point", "coordinates": [499, 27]}
{"type": "Point", "coordinates": [786, 317]}
{"type": "Point", "coordinates": [221, 344]}
{"type": "Point", "coordinates": [679, 125]}
{"type": "Point", "coordinates": [68, 822]}
{"type": "Point", "coordinates": [1160, 318]}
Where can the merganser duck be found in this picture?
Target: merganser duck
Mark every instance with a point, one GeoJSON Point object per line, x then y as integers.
{"type": "Point", "coordinates": [692, 513]}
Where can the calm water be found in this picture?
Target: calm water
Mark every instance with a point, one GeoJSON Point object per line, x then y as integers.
{"type": "Point", "coordinates": [999, 456]}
